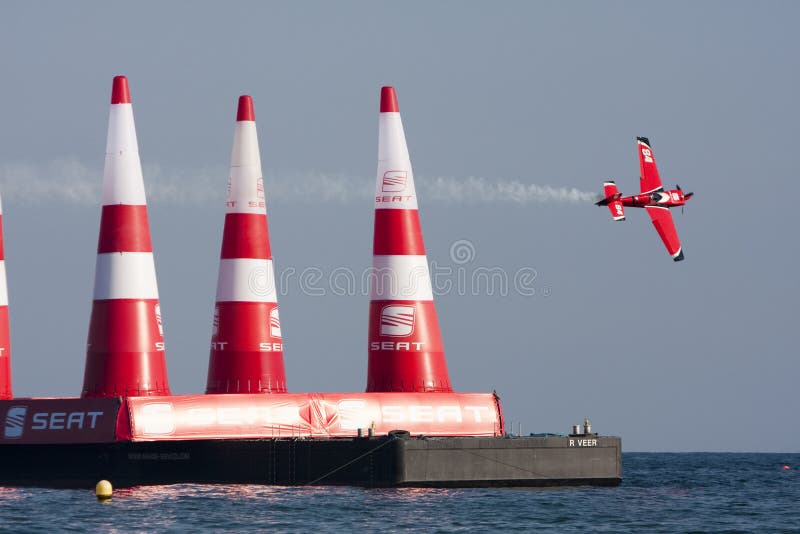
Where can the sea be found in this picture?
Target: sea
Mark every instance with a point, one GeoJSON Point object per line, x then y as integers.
{"type": "Point", "coordinates": [660, 492]}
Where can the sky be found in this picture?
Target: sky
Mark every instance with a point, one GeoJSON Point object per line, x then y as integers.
{"type": "Point", "coordinates": [514, 113]}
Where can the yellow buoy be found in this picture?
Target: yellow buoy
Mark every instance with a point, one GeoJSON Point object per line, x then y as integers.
{"type": "Point", "coordinates": [103, 490]}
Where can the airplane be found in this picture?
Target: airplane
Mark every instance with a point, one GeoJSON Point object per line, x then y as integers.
{"type": "Point", "coordinates": [653, 198]}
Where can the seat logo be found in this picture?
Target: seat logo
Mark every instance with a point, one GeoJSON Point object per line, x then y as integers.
{"type": "Point", "coordinates": [394, 181]}
{"type": "Point", "coordinates": [274, 323]}
{"type": "Point", "coordinates": [397, 320]}
{"type": "Point", "coordinates": [15, 422]}
{"type": "Point", "coordinates": [158, 320]}
{"type": "Point", "coordinates": [157, 418]}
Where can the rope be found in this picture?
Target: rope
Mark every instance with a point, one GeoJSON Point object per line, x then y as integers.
{"type": "Point", "coordinates": [351, 462]}
{"type": "Point", "coordinates": [504, 463]}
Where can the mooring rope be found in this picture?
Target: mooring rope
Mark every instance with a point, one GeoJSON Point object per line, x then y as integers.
{"type": "Point", "coordinates": [504, 463]}
{"type": "Point", "coordinates": [518, 467]}
{"type": "Point", "coordinates": [351, 462]}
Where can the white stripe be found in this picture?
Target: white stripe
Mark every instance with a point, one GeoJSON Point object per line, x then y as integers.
{"type": "Point", "coordinates": [391, 137]}
{"type": "Point", "coordinates": [122, 180]}
{"type": "Point", "coordinates": [122, 174]}
{"type": "Point", "coordinates": [652, 190]}
{"type": "Point", "coordinates": [245, 150]}
{"type": "Point", "coordinates": [395, 277]}
{"type": "Point", "coordinates": [246, 280]}
{"type": "Point", "coordinates": [3, 287]}
{"type": "Point", "coordinates": [245, 184]}
{"type": "Point", "coordinates": [394, 165]}
{"type": "Point", "coordinates": [121, 129]}
{"type": "Point", "coordinates": [125, 275]}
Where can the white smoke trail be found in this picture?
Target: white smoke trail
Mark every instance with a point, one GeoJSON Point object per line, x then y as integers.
{"type": "Point", "coordinates": [482, 190]}
{"type": "Point", "coordinates": [61, 180]}
{"type": "Point", "coordinates": [73, 182]}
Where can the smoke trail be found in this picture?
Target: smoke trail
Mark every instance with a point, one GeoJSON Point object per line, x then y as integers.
{"type": "Point", "coordinates": [483, 190]}
{"type": "Point", "coordinates": [62, 180]}
{"type": "Point", "coordinates": [73, 182]}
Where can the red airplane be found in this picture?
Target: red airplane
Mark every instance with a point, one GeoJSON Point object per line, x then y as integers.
{"type": "Point", "coordinates": [653, 198]}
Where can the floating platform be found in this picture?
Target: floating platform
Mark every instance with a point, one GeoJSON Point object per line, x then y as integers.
{"type": "Point", "coordinates": [128, 428]}
{"type": "Point", "coordinates": [394, 460]}
{"type": "Point", "coordinates": [423, 440]}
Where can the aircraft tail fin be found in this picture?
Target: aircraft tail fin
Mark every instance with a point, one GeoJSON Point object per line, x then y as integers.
{"type": "Point", "coordinates": [612, 200]}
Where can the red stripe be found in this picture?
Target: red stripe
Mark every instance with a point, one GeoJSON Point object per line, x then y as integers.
{"type": "Point", "coordinates": [124, 325]}
{"type": "Point", "coordinates": [4, 336]}
{"type": "Point", "coordinates": [397, 232]}
{"type": "Point", "coordinates": [5, 357]}
{"type": "Point", "coordinates": [246, 372]}
{"type": "Point", "coordinates": [124, 228]}
{"type": "Point", "coordinates": [239, 361]}
{"type": "Point", "coordinates": [120, 94]}
{"type": "Point", "coordinates": [400, 372]}
{"type": "Point", "coordinates": [244, 325]}
{"type": "Point", "coordinates": [136, 374]}
{"type": "Point", "coordinates": [122, 356]}
{"type": "Point", "coordinates": [245, 236]}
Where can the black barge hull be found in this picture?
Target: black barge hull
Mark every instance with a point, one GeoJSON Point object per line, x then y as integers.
{"type": "Point", "coordinates": [387, 461]}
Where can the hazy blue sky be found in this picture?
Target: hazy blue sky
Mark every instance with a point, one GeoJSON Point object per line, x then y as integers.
{"type": "Point", "coordinates": [698, 355]}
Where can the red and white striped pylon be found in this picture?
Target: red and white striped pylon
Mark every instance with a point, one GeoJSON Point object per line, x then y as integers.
{"type": "Point", "coordinates": [125, 346]}
{"type": "Point", "coordinates": [405, 345]}
{"type": "Point", "coordinates": [246, 345]}
{"type": "Point", "coordinates": [5, 344]}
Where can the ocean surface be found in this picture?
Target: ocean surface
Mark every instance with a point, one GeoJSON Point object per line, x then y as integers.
{"type": "Point", "coordinates": [686, 492]}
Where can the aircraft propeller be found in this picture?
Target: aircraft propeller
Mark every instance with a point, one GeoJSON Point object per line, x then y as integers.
{"type": "Point", "coordinates": [686, 196]}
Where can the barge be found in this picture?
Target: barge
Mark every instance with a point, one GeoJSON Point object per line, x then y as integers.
{"type": "Point", "coordinates": [410, 428]}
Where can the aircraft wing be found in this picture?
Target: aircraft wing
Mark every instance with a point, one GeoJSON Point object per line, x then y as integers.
{"type": "Point", "coordinates": [649, 180]}
{"type": "Point", "coordinates": [665, 226]}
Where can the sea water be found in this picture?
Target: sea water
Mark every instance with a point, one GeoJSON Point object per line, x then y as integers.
{"type": "Point", "coordinates": [660, 492]}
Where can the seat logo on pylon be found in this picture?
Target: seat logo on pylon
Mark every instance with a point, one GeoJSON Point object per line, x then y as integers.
{"type": "Point", "coordinates": [394, 181]}
{"type": "Point", "coordinates": [260, 189]}
{"type": "Point", "coordinates": [274, 323]}
{"type": "Point", "coordinates": [397, 320]}
{"type": "Point", "coordinates": [158, 320]}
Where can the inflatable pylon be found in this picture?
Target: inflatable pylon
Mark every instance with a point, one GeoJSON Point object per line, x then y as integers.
{"type": "Point", "coordinates": [125, 347]}
{"type": "Point", "coordinates": [5, 344]}
{"type": "Point", "coordinates": [405, 345]}
{"type": "Point", "coordinates": [246, 346]}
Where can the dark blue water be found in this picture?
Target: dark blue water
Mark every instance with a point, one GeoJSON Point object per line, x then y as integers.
{"type": "Point", "coordinates": [660, 493]}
